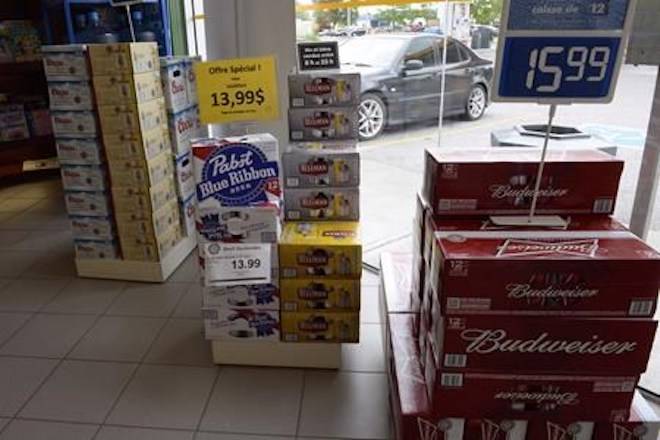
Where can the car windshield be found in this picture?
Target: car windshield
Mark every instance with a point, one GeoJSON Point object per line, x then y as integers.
{"type": "Point", "coordinates": [368, 52]}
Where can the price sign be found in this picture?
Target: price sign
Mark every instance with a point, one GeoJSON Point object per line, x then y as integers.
{"type": "Point", "coordinates": [561, 51]}
{"type": "Point", "coordinates": [231, 264]}
{"type": "Point", "coordinates": [242, 89]}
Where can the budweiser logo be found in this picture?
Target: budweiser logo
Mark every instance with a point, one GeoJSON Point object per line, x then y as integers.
{"type": "Point", "coordinates": [314, 202]}
{"type": "Point", "coordinates": [526, 248]}
{"type": "Point", "coordinates": [549, 395]}
{"type": "Point", "coordinates": [526, 291]}
{"type": "Point", "coordinates": [509, 191]}
{"type": "Point", "coordinates": [488, 341]}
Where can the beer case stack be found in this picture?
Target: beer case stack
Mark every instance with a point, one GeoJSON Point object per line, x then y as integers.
{"type": "Point", "coordinates": [238, 194]}
{"type": "Point", "coordinates": [80, 150]}
{"type": "Point", "coordinates": [536, 332]}
{"type": "Point", "coordinates": [180, 92]}
{"type": "Point", "coordinates": [320, 249]}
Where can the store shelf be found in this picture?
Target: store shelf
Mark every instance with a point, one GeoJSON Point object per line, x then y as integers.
{"type": "Point", "coordinates": [151, 272]}
{"type": "Point", "coordinates": [277, 354]}
{"type": "Point", "coordinates": [22, 68]}
{"type": "Point", "coordinates": [14, 154]}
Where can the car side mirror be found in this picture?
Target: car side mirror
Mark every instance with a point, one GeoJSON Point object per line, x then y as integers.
{"type": "Point", "coordinates": [411, 65]}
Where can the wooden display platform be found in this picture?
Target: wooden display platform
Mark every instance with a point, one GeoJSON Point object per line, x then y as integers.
{"type": "Point", "coordinates": [147, 271]}
{"type": "Point", "coordinates": [277, 354]}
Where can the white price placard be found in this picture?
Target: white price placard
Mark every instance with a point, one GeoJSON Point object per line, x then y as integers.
{"type": "Point", "coordinates": [232, 264]}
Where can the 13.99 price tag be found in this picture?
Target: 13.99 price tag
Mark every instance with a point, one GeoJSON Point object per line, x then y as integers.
{"type": "Point", "coordinates": [242, 89]}
{"type": "Point", "coordinates": [231, 264]}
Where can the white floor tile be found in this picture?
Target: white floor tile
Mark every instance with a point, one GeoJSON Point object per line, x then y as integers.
{"type": "Point", "coordinates": [9, 323]}
{"type": "Point", "coordinates": [14, 263]}
{"type": "Point", "coordinates": [11, 238]}
{"type": "Point", "coordinates": [345, 405]}
{"type": "Point", "coordinates": [34, 430]}
{"type": "Point", "coordinates": [48, 335]}
{"type": "Point", "coordinates": [164, 397]}
{"type": "Point", "coordinates": [42, 241]}
{"type": "Point", "coordinates": [255, 401]}
{"type": "Point", "coordinates": [3, 422]}
{"type": "Point", "coordinates": [181, 342]}
{"type": "Point", "coordinates": [190, 305]}
{"type": "Point", "coordinates": [15, 204]}
{"type": "Point", "coordinates": [54, 265]}
{"type": "Point", "coordinates": [79, 392]}
{"type": "Point", "coordinates": [85, 296]}
{"type": "Point", "coordinates": [218, 436]}
{"type": "Point", "coordinates": [157, 300]}
{"type": "Point", "coordinates": [369, 278]}
{"type": "Point", "coordinates": [368, 355]}
{"type": "Point", "coordinates": [19, 379]}
{"type": "Point", "coordinates": [29, 295]}
{"type": "Point", "coordinates": [370, 305]}
{"type": "Point", "coordinates": [120, 433]}
{"type": "Point", "coordinates": [118, 338]}
{"type": "Point", "coordinates": [188, 272]}
{"type": "Point", "coordinates": [38, 222]}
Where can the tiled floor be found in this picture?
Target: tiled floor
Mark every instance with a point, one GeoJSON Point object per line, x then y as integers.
{"type": "Point", "coordinates": [104, 360]}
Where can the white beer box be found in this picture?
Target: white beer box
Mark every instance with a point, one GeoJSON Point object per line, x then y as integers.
{"type": "Point", "coordinates": [67, 62]}
{"type": "Point", "coordinates": [191, 78]}
{"type": "Point", "coordinates": [132, 146]}
{"type": "Point", "coordinates": [244, 325]}
{"type": "Point", "coordinates": [187, 210]}
{"type": "Point", "coordinates": [185, 181]}
{"type": "Point", "coordinates": [71, 95]}
{"type": "Point", "coordinates": [334, 204]}
{"type": "Point", "coordinates": [85, 203]}
{"type": "Point", "coordinates": [96, 250]}
{"type": "Point", "coordinates": [175, 84]}
{"type": "Point", "coordinates": [239, 224]}
{"type": "Point", "coordinates": [81, 124]}
{"type": "Point", "coordinates": [345, 145]}
{"type": "Point", "coordinates": [84, 177]}
{"type": "Point", "coordinates": [321, 89]}
{"type": "Point", "coordinates": [249, 296]}
{"type": "Point", "coordinates": [323, 123]}
{"type": "Point", "coordinates": [92, 228]}
{"type": "Point", "coordinates": [311, 169]}
{"type": "Point", "coordinates": [79, 151]}
{"type": "Point", "coordinates": [184, 126]}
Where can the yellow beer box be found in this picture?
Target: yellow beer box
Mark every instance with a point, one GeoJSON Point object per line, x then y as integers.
{"type": "Point", "coordinates": [143, 199]}
{"type": "Point", "coordinates": [110, 59]}
{"type": "Point", "coordinates": [130, 146]}
{"type": "Point", "coordinates": [318, 294]}
{"type": "Point", "coordinates": [141, 173]}
{"type": "Point", "coordinates": [124, 88]}
{"type": "Point", "coordinates": [321, 249]}
{"type": "Point", "coordinates": [152, 251]}
{"type": "Point", "coordinates": [145, 228]}
{"type": "Point", "coordinates": [133, 118]}
{"type": "Point", "coordinates": [321, 327]}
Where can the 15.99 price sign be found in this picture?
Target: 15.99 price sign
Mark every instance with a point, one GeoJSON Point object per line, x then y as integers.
{"type": "Point", "coordinates": [242, 89]}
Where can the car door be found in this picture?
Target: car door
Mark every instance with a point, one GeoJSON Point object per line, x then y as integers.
{"type": "Point", "coordinates": [421, 93]}
{"type": "Point", "coordinates": [458, 76]}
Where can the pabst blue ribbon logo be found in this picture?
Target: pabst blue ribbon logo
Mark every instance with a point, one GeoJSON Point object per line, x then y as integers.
{"type": "Point", "coordinates": [236, 174]}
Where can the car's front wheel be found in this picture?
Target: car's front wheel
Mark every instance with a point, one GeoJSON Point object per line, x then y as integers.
{"type": "Point", "coordinates": [476, 103]}
{"type": "Point", "coordinates": [372, 114]}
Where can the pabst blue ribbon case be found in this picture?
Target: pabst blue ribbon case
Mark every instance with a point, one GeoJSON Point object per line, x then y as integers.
{"type": "Point", "coordinates": [594, 266]}
{"type": "Point", "coordinates": [239, 224]}
{"type": "Point", "coordinates": [244, 325]}
{"type": "Point", "coordinates": [323, 123]}
{"type": "Point", "coordinates": [313, 204]}
{"type": "Point", "coordinates": [314, 168]}
{"type": "Point", "coordinates": [320, 89]}
{"type": "Point", "coordinates": [502, 181]}
{"type": "Point", "coordinates": [237, 171]}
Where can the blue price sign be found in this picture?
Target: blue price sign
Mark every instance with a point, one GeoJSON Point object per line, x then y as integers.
{"type": "Point", "coordinates": [561, 51]}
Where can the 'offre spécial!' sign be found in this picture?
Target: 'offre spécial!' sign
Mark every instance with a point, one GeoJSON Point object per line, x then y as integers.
{"type": "Point", "coordinates": [241, 89]}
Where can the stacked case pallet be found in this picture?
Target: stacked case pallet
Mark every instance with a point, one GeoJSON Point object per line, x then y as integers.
{"type": "Point", "coordinates": [80, 151]}
{"type": "Point", "coordinates": [180, 91]}
{"type": "Point", "coordinates": [132, 117]}
{"type": "Point", "coordinates": [320, 251]}
{"type": "Point", "coordinates": [238, 202]}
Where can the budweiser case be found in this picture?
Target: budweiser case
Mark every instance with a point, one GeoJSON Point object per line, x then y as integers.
{"type": "Point", "coordinates": [323, 123]}
{"type": "Point", "coordinates": [502, 181]}
{"type": "Point", "coordinates": [593, 267]}
{"type": "Point", "coordinates": [313, 169]}
{"type": "Point", "coordinates": [335, 204]}
{"type": "Point", "coordinates": [238, 171]}
{"type": "Point", "coordinates": [321, 89]}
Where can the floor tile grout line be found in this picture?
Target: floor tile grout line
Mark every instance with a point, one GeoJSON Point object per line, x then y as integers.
{"type": "Point", "coordinates": [301, 400]}
{"type": "Point", "coordinates": [208, 399]}
{"type": "Point", "coordinates": [15, 332]}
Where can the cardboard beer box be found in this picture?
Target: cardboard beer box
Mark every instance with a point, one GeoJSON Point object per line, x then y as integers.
{"type": "Point", "coordinates": [313, 169]}
{"type": "Point", "coordinates": [239, 224]}
{"type": "Point", "coordinates": [324, 89]}
{"type": "Point", "coordinates": [593, 267]}
{"type": "Point", "coordinates": [133, 118]}
{"type": "Point", "coordinates": [331, 204]}
{"type": "Point", "coordinates": [146, 228]}
{"type": "Point", "coordinates": [141, 173]}
{"type": "Point", "coordinates": [249, 296]}
{"type": "Point", "coordinates": [111, 59]}
{"type": "Point", "coordinates": [133, 250]}
{"type": "Point", "coordinates": [324, 145]}
{"type": "Point", "coordinates": [66, 62]}
{"type": "Point", "coordinates": [323, 123]}
{"type": "Point", "coordinates": [191, 79]}
{"type": "Point", "coordinates": [321, 249]}
{"type": "Point", "coordinates": [335, 327]}
{"type": "Point", "coordinates": [187, 211]}
{"type": "Point", "coordinates": [77, 124]}
{"type": "Point", "coordinates": [126, 88]}
{"type": "Point", "coordinates": [174, 83]}
{"type": "Point", "coordinates": [79, 151]}
{"type": "Point", "coordinates": [88, 203]}
{"type": "Point", "coordinates": [96, 250]}
{"type": "Point", "coordinates": [236, 171]}
{"type": "Point", "coordinates": [143, 199]}
{"type": "Point", "coordinates": [243, 325]}
{"type": "Point", "coordinates": [320, 294]}
{"type": "Point", "coordinates": [184, 126]}
{"type": "Point", "coordinates": [396, 283]}
{"type": "Point", "coordinates": [92, 228]}
{"type": "Point", "coordinates": [70, 95]}
{"type": "Point", "coordinates": [121, 146]}
{"type": "Point", "coordinates": [84, 177]}
{"type": "Point", "coordinates": [502, 181]}
{"type": "Point", "coordinates": [185, 179]}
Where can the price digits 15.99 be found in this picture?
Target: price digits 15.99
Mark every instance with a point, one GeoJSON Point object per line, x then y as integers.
{"type": "Point", "coordinates": [577, 58]}
{"type": "Point", "coordinates": [239, 97]}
